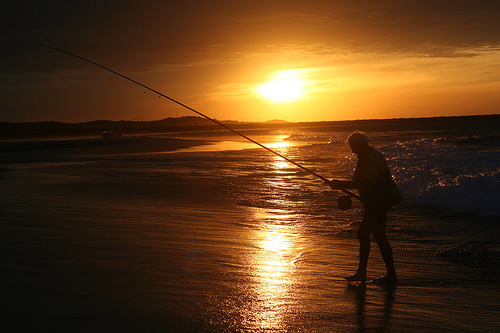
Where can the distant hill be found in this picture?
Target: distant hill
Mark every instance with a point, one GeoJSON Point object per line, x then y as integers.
{"type": "Point", "coordinates": [277, 121]}
{"type": "Point", "coordinates": [52, 129]}
{"type": "Point", "coordinates": [95, 128]}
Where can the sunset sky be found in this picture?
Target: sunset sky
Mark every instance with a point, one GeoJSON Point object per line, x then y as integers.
{"type": "Point", "coordinates": [231, 60]}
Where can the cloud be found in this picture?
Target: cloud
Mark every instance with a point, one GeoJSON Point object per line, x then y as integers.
{"type": "Point", "coordinates": [159, 31]}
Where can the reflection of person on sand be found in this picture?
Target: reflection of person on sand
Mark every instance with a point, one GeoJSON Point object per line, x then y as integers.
{"type": "Point", "coordinates": [378, 193]}
{"type": "Point", "coordinates": [383, 312]}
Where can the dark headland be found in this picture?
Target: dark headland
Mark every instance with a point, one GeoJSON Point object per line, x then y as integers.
{"type": "Point", "coordinates": [53, 129]}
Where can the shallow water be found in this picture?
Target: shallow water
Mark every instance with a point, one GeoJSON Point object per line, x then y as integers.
{"type": "Point", "coordinates": [237, 240]}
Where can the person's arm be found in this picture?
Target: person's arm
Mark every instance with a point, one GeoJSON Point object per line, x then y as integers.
{"type": "Point", "coordinates": [347, 184]}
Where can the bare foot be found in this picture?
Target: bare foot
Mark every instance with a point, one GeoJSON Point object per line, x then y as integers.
{"type": "Point", "coordinates": [387, 279]}
{"type": "Point", "coordinates": [356, 278]}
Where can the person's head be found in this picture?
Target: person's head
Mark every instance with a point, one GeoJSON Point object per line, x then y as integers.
{"type": "Point", "coordinates": [358, 142]}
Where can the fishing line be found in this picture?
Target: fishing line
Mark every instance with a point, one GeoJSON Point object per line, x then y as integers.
{"type": "Point", "coordinates": [350, 194]}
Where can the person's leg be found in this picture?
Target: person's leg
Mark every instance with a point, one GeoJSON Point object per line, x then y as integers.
{"type": "Point", "coordinates": [364, 250]}
{"type": "Point", "coordinates": [380, 237]}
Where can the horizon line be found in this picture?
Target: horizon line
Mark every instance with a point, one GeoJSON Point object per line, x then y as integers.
{"type": "Point", "coordinates": [270, 121]}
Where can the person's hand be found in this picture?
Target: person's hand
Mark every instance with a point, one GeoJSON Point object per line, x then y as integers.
{"type": "Point", "coordinates": [335, 184]}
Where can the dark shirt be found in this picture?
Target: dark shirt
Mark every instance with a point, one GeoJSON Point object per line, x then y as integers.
{"type": "Point", "coordinates": [378, 192]}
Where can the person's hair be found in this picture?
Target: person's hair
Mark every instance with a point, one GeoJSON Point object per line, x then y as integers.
{"type": "Point", "coordinates": [358, 137]}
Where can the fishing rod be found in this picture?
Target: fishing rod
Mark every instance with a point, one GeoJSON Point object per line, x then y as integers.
{"type": "Point", "coordinates": [349, 193]}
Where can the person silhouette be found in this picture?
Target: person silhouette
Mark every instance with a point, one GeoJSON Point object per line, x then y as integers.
{"type": "Point", "coordinates": [378, 193]}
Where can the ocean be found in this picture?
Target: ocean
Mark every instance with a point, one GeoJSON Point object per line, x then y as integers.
{"type": "Point", "coordinates": [205, 232]}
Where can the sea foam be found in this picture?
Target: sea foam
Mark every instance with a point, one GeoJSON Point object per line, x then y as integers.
{"type": "Point", "coordinates": [434, 173]}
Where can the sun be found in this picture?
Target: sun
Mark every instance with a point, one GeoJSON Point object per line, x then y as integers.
{"type": "Point", "coordinates": [285, 86]}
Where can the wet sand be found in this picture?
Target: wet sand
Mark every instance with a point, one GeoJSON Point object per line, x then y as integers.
{"type": "Point", "coordinates": [118, 253]}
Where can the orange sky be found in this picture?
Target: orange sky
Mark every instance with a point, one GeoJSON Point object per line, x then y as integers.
{"type": "Point", "coordinates": [356, 59]}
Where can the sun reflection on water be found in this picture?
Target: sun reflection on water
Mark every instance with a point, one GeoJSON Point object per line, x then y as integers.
{"type": "Point", "coordinates": [280, 144]}
{"type": "Point", "coordinates": [277, 248]}
{"type": "Point", "coordinates": [273, 269]}
{"type": "Point", "coordinates": [280, 165]}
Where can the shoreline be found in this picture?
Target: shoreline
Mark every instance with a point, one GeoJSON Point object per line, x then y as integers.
{"type": "Point", "coordinates": [17, 152]}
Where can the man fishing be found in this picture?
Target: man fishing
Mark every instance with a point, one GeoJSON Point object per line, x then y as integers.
{"type": "Point", "coordinates": [372, 178]}
{"type": "Point", "coordinates": [378, 194]}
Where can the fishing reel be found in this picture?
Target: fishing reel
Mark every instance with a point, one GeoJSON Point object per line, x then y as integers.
{"type": "Point", "coordinates": [344, 202]}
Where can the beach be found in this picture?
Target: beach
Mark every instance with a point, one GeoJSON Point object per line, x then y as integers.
{"type": "Point", "coordinates": [206, 234]}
